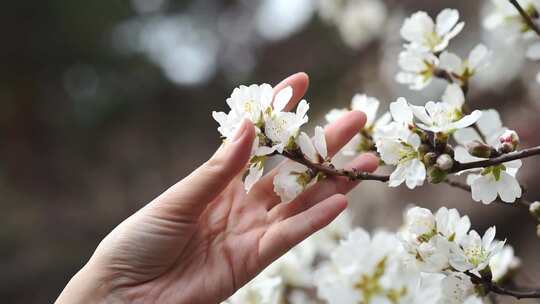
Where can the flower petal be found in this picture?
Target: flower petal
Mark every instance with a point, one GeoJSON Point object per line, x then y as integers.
{"type": "Point", "coordinates": [320, 142]}
{"type": "Point", "coordinates": [420, 113]}
{"type": "Point", "coordinates": [508, 188]}
{"type": "Point", "coordinates": [467, 135]}
{"type": "Point", "coordinates": [453, 95]}
{"type": "Point", "coordinates": [446, 20]}
{"type": "Point", "coordinates": [479, 57]}
{"type": "Point", "coordinates": [467, 120]}
{"type": "Point", "coordinates": [368, 105]}
{"type": "Point", "coordinates": [450, 61]}
{"type": "Point", "coordinates": [255, 173]}
{"type": "Point", "coordinates": [401, 112]}
{"type": "Point", "coordinates": [282, 98]}
{"type": "Point", "coordinates": [306, 146]}
{"type": "Point", "coordinates": [484, 189]}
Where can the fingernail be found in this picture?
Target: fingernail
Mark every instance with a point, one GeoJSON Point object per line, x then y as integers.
{"type": "Point", "coordinates": [241, 130]}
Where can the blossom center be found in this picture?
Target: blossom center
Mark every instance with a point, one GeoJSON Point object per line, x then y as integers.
{"type": "Point", "coordinates": [475, 255]}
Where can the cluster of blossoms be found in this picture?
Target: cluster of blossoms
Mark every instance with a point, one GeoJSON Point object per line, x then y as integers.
{"type": "Point", "coordinates": [434, 258]}
{"type": "Point", "coordinates": [425, 56]}
{"type": "Point", "coordinates": [414, 139]}
{"type": "Point", "coordinates": [424, 262]}
{"type": "Point", "coordinates": [278, 132]}
{"type": "Point", "coordinates": [506, 19]}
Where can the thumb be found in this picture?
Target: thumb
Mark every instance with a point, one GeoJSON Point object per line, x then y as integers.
{"type": "Point", "coordinates": [194, 192]}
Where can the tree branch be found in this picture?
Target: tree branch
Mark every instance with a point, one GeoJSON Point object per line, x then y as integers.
{"type": "Point", "coordinates": [493, 287]}
{"type": "Point", "coordinates": [357, 175]}
{"type": "Point", "coordinates": [525, 17]}
{"type": "Point", "coordinates": [496, 160]}
{"type": "Point", "coordinates": [330, 170]}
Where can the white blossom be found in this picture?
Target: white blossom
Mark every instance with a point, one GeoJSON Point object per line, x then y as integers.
{"type": "Point", "coordinates": [245, 103]}
{"type": "Point", "coordinates": [503, 262]}
{"type": "Point", "coordinates": [282, 127]}
{"type": "Point", "coordinates": [499, 180]}
{"type": "Point", "coordinates": [473, 252]}
{"type": "Point", "coordinates": [443, 117]}
{"type": "Point", "coordinates": [366, 270]}
{"type": "Point", "coordinates": [291, 180]}
{"type": "Point", "coordinates": [314, 149]}
{"type": "Point", "coordinates": [478, 59]}
{"type": "Point", "coordinates": [425, 34]}
{"type": "Point", "coordinates": [427, 237]}
{"type": "Point", "coordinates": [366, 136]}
{"type": "Point", "coordinates": [451, 225]}
{"type": "Point", "coordinates": [399, 146]}
{"type": "Point", "coordinates": [457, 288]}
{"type": "Point", "coordinates": [490, 126]}
{"type": "Point", "coordinates": [275, 128]}
{"type": "Point", "coordinates": [264, 289]}
{"type": "Point", "coordinates": [417, 68]}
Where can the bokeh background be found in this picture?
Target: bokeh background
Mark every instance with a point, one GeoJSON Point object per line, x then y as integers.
{"type": "Point", "coordinates": [107, 103]}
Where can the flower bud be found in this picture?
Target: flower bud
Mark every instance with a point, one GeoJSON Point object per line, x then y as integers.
{"type": "Point", "coordinates": [445, 162]}
{"type": "Point", "coordinates": [436, 175]}
{"type": "Point", "coordinates": [479, 149]}
{"type": "Point", "coordinates": [509, 141]}
{"type": "Point", "coordinates": [535, 209]}
{"type": "Point", "coordinates": [430, 159]}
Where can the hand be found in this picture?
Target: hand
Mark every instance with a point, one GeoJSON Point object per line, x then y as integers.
{"type": "Point", "coordinates": [205, 237]}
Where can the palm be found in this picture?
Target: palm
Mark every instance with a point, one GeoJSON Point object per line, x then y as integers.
{"type": "Point", "coordinates": [205, 237]}
{"type": "Point", "coordinates": [226, 243]}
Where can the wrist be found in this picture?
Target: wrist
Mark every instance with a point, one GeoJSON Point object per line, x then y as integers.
{"type": "Point", "coordinates": [89, 285]}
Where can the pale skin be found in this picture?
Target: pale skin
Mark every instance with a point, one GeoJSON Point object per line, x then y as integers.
{"type": "Point", "coordinates": [205, 237]}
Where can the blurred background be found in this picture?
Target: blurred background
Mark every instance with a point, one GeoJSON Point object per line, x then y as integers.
{"type": "Point", "coordinates": [107, 103]}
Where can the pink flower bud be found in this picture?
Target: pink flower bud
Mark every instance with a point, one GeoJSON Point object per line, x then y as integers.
{"type": "Point", "coordinates": [509, 141]}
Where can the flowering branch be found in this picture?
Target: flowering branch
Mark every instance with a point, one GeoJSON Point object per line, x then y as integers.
{"type": "Point", "coordinates": [493, 287]}
{"type": "Point", "coordinates": [298, 157]}
{"type": "Point", "coordinates": [525, 17]}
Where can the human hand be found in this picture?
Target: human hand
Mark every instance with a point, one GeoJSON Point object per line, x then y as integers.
{"type": "Point", "coordinates": [204, 238]}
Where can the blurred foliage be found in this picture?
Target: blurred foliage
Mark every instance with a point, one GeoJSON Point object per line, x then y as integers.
{"type": "Point", "coordinates": [90, 132]}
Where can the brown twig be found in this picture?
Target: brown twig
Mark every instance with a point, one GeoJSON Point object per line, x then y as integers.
{"type": "Point", "coordinates": [493, 287]}
{"type": "Point", "coordinates": [496, 160]}
{"type": "Point", "coordinates": [330, 170]}
{"type": "Point", "coordinates": [525, 17]}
